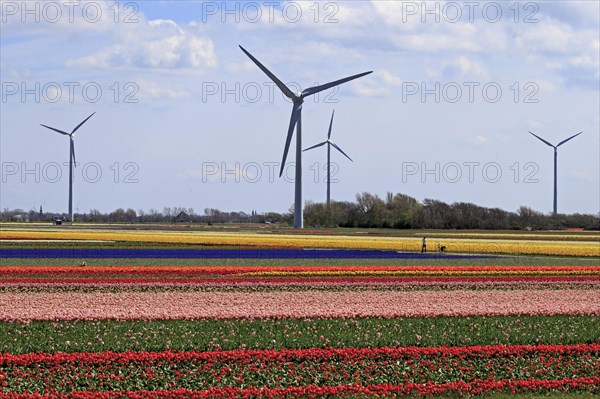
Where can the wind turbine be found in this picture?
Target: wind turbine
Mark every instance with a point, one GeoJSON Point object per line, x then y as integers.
{"type": "Point", "coordinates": [555, 161]}
{"type": "Point", "coordinates": [72, 161]}
{"type": "Point", "coordinates": [329, 145]}
{"type": "Point", "coordinates": [296, 122]}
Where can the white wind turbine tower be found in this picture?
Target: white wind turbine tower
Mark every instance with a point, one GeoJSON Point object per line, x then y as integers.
{"type": "Point", "coordinates": [296, 122]}
{"type": "Point", "coordinates": [72, 161]}
{"type": "Point", "coordinates": [555, 165]}
{"type": "Point", "coordinates": [329, 145]}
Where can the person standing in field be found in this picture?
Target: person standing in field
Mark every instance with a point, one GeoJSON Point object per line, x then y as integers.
{"type": "Point", "coordinates": [424, 247]}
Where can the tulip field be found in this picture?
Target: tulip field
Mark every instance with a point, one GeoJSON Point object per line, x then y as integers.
{"type": "Point", "coordinates": [168, 312]}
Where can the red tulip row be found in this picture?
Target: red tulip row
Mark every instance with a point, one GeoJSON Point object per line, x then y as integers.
{"type": "Point", "coordinates": [239, 373]}
{"type": "Point", "coordinates": [224, 275]}
{"type": "Point", "coordinates": [411, 389]}
{"type": "Point", "coordinates": [311, 354]}
{"type": "Point", "coordinates": [74, 281]}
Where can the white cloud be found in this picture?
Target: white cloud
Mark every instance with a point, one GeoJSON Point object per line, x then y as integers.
{"type": "Point", "coordinates": [579, 66]}
{"type": "Point", "coordinates": [575, 13]}
{"type": "Point", "coordinates": [549, 36]}
{"type": "Point", "coordinates": [310, 14]}
{"type": "Point", "coordinates": [378, 85]}
{"type": "Point", "coordinates": [461, 67]}
{"type": "Point", "coordinates": [14, 73]}
{"type": "Point", "coordinates": [398, 14]}
{"type": "Point", "coordinates": [152, 90]}
{"type": "Point", "coordinates": [465, 67]}
{"type": "Point", "coordinates": [159, 44]}
{"type": "Point", "coordinates": [545, 86]}
{"type": "Point", "coordinates": [166, 23]}
{"type": "Point", "coordinates": [51, 17]}
{"type": "Point", "coordinates": [389, 77]}
{"type": "Point", "coordinates": [458, 38]}
{"type": "Point", "coordinates": [534, 124]}
{"type": "Point", "coordinates": [370, 90]}
{"type": "Point", "coordinates": [433, 73]}
{"type": "Point", "coordinates": [112, 37]}
{"type": "Point", "coordinates": [237, 67]}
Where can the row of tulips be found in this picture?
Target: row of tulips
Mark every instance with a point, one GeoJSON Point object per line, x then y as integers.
{"type": "Point", "coordinates": [249, 356]}
{"type": "Point", "coordinates": [521, 246]}
{"type": "Point", "coordinates": [301, 270]}
{"type": "Point", "coordinates": [485, 234]}
{"type": "Point", "coordinates": [475, 387]}
{"type": "Point", "coordinates": [310, 276]}
{"type": "Point", "coordinates": [399, 369]}
{"type": "Point", "coordinates": [325, 282]}
{"type": "Point", "coordinates": [304, 303]}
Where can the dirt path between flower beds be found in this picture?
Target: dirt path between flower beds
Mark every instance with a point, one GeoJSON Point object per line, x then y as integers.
{"type": "Point", "coordinates": [185, 305]}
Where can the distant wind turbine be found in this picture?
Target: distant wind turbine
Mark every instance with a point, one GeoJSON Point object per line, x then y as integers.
{"type": "Point", "coordinates": [72, 161]}
{"type": "Point", "coordinates": [329, 145]}
{"type": "Point", "coordinates": [555, 162]}
{"type": "Point", "coordinates": [296, 122]}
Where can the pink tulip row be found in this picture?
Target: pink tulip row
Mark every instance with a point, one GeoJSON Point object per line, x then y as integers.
{"type": "Point", "coordinates": [23, 306]}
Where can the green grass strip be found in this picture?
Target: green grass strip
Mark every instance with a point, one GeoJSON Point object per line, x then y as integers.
{"type": "Point", "coordinates": [94, 336]}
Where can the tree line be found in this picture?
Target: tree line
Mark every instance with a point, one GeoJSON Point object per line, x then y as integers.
{"type": "Point", "coordinates": [166, 215]}
{"type": "Point", "coordinates": [400, 211]}
{"type": "Point", "coordinates": [396, 211]}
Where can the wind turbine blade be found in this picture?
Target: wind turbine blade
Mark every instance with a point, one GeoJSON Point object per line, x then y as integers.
{"type": "Point", "coordinates": [313, 90]}
{"type": "Point", "coordinates": [84, 121]}
{"type": "Point", "coordinates": [542, 139]}
{"type": "Point", "coordinates": [279, 83]}
{"type": "Point", "coordinates": [73, 153]}
{"type": "Point", "coordinates": [315, 146]}
{"type": "Point", "coordinates": [330, 125]}
{"type": "Point", "coordinates": [340, 150]}
{"type": "Point", "coordinates": [56, 130]}
{"type": "Point", "coordinates": [293, 120]}
{"type": "Point", "coordinates": [564, 141]}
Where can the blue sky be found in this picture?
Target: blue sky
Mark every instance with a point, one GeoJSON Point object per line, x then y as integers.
{"type": "Point", "coordinates": [183, 118]}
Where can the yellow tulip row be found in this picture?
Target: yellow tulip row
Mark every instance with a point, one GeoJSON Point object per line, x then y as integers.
{"type": "Point", "coordinates": [590, 235]}
{"type": "Point", "coordinates": [453, 245]}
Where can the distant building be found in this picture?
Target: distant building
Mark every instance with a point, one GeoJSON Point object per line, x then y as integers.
{"type": "Point", "coordinates": [182, 217]}
{"type": "Point", "coordinates": [40, 216]}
